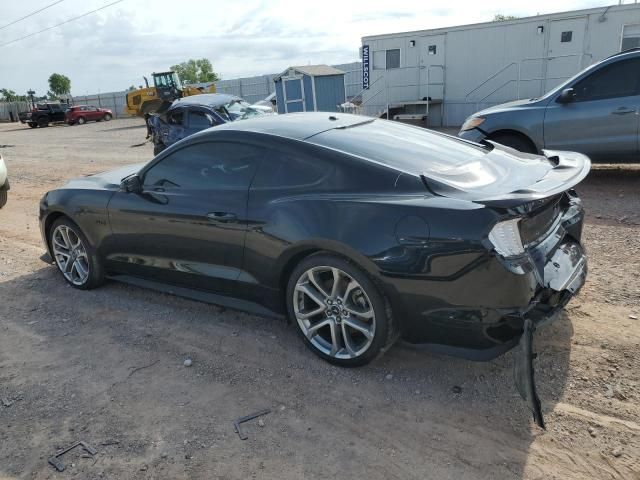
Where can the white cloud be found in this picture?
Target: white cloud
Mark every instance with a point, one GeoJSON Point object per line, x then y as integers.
{"type": "Point", "coordinates": [112, 49]}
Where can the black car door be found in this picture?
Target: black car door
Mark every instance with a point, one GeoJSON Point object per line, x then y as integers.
{"type": "Point", "coordinates": [187, 226]}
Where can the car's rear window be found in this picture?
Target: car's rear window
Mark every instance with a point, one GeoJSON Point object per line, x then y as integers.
{"type": "Point", "coordinates": [409, 149]}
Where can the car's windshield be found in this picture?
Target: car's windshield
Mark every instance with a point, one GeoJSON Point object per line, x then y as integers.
{"type": "Point", "coordinates": [237, 110]}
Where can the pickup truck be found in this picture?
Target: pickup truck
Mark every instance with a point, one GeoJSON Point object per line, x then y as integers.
{"type": "Point", "coordinates": [44, 114]}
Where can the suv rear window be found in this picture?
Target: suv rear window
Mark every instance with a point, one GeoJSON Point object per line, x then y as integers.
{"type": "Point", "coordinates": [409, 149]}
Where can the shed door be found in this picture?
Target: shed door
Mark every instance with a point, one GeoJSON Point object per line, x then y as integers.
{"type": "Point", "coordinates": [431, 67]}
{"type": "Point", "coordinates": [566, 48]}
{"type": "Point", "coordinates": [293, 95]}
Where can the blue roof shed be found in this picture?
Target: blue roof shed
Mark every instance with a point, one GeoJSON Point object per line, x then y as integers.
{"type": "Point", "coordinates": [312, 88]}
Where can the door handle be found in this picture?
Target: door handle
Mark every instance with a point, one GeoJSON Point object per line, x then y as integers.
{"type": "Point", "coordinates": [622, 111]}
{"type": "Point", "coordinates": [221, 217]}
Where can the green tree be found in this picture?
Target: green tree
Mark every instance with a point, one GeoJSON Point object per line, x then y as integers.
{"type": "Point", "coordinates": [498, 17]}
{"type": "Point", "coordinates": [59, 84]}
{"type": "Point", "coordinates": [8, 95]}
{"type": "Point", "coordinates": [195, 71]}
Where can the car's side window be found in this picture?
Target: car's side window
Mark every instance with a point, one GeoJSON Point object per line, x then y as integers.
{"type": "Point", "coordinates": [280, 169]}
{"type": "Point", "coordinates": [620, 79]}
{"type": "Point", "coordinates": [199, 119]}
{"type": "Point", "coordinates": [176, 118]}
{"type": "Point", "coordinates": [206, 166]}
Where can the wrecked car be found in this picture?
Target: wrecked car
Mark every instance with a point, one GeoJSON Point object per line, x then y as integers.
{"type": "Point", "coordinates": [359, 230]}
{"type": "Point", "coordinates": [189, 115]}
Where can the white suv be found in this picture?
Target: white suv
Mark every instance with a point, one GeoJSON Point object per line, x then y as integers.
{"type": "Point", "coordinates": [4, 183]}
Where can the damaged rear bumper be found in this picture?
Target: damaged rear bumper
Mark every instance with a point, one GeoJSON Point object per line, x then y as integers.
{"type": "Point", "coordinates": [564, 275]}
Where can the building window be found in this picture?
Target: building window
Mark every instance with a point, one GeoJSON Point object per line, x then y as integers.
{"type": "Point", "coordinates": [393, 58]}
{"type": "Point", "coordinates": [630, 37]}
{"type": "Point", "coordinates": [566, 37]}
{"type": "Point", "coordinates": [431, 50]}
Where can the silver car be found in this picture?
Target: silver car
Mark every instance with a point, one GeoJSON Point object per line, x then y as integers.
{"type": "Point", "coordinates": [4, 183]}
{"type": "Point", "coordinates": [596, 112]}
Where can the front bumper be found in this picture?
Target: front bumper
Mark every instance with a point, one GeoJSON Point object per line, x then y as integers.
{"type": "Point", "coordinates": [474, 135]}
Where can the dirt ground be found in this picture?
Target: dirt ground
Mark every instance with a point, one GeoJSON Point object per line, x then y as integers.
{"type": "Point", "coordinates": [106, 366]}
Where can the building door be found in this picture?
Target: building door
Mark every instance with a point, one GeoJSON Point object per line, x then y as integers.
{"type": "Point", "coordinates": [566, 48]}
{"type": "Point", "coordinates": [293, 94]}
{"type": "Point", "coordinates": [431, 67]}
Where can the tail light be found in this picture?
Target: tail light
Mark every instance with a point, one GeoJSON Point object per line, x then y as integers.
{"type": "Point", "coordinates": [505, 237]}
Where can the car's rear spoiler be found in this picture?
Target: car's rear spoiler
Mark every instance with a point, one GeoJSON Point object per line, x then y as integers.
{"type": "Point", "coordinates": [568, 169]}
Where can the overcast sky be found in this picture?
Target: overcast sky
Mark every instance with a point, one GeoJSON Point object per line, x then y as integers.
{"type": "Point", "coordinates": [112, 49]}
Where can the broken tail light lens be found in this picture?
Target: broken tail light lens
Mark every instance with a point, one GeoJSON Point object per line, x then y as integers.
{"type": "Point", "coordinates": [505, 238]}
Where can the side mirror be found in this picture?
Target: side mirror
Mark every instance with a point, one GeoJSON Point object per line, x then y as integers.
{"type": "Point", "coordinates": [131, 184]}
{"type": "Point", "coordinates": [568, 95]}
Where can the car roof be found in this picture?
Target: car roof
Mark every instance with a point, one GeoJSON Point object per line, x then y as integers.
{"type": "Point", "coordinates": [205, 100]}
{"type": "Point", "coordinates": [297, 126]}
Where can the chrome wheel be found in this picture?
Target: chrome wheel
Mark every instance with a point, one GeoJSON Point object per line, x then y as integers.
{"type": "Point", "coordinates": [70, 255]}
{"type": "Point", "coordinates": [334, 312]}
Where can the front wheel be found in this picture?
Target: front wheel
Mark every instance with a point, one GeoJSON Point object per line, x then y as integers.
{"type": "Point", "coordinates": [33, 125]}
{"type": "Point", "coordinates": [81, 121]}
{"type": "Point", "coordinates": [107, 117]}
{"type": "Point", "coordinates": [520, 143]}
{"type": "Point", "coordinates": [43, 122]}
{"type": "Point", "coordinates": [340, 313]}
{"type": "Point", "coordinates": [74, 256]}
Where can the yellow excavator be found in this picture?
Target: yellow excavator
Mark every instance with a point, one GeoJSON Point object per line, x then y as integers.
{"type": "Point", "coordinates": [166, 88]}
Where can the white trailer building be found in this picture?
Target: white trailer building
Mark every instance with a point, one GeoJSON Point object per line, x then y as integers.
{"type": "Point", "coordinates": [450, 73]}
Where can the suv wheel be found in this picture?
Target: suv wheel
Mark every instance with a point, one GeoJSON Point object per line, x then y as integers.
{"type": "Point", "coordinates": [520, 143]}
{"type": "Point", "coordinates": [33, 125]}
{"type": "Point", "coordinates": [74, 256]}
{"type": "Point", "coordinates": [81, 121]}
{"type": "Point", "coordinates": [340, 313]}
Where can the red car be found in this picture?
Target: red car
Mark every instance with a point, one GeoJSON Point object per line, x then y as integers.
{"type": "Point", "coordinates": [81, 114]}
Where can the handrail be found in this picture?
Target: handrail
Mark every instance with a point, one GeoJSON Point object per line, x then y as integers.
{"type": "Point", "coordinates": [368, 88]}
{"type": "Point", "coordinates": [519, 79]}
{"type": "Point", "coordinates": [490, 78]}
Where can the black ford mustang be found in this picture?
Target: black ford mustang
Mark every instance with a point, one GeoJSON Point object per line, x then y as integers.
{"type": "Point", "coordinates": [359, 230]}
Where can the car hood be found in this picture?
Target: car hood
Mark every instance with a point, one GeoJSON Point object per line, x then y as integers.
{"type": "Point", "coordinates": [506, 177]}
{"type": "Point", "coordinates": [104, 181]}
{"type": "Point", "coordinates": [507, 106]}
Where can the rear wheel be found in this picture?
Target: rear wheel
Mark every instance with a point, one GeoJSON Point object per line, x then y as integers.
{"type": "Point", "coordinates": [74, 256]}
{"type": "Point", "coordinates": [33, 125]}
{"type": "Point", "coordinates": [519, 142]}
{"type": "Point", "coordinates": [3, 198]}
{"type": "Point", "coordinates": [340, 313]}
{"type": "Point", "coordinates": [81, 121]}
{"type": "Point", "coordinates": [43, 122]}
{"type": "Point", "coordinates": [107, 117]}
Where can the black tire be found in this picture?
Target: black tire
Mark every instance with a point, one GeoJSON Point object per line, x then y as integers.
{"type": "Point", "coordinates": [96, 269]}
{"type": "Point", "coordinates": [107, 117]}
{"type": "Point", "coordinates": [33, 125]}
{"type": "Point", "coordinates": [81, 121]}
{"type": "Point", "coordinates": [519, 142]}
{"type": "Point", "coordinates": [43, 122]}
{"type": "Point", "coordinates": [3, 197]}
{"type": "Point", "coordinates": [384, 333]}
{"type": "Point", "coordinates": [158, 147]}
